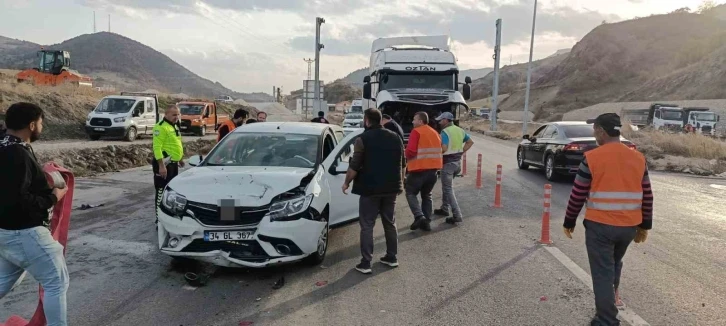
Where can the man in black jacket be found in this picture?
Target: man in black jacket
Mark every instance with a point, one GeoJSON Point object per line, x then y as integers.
{"type": "Point", "coordinates": [392, 125]}
{"type": "Point", "coordinates": [25, 203]}
{"type": "Point", "coordinates": [377, 169]}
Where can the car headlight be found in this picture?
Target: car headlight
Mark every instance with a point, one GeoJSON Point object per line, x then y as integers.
{"type": "Point", "coordinates": [88, 118]}
{"type": "Point", "coordinates": [286, 209]}
{"type": "Point", "coordinates": [122, 119]}
{"type": "Point", "coordinates": [174, 202]}
{"type": "Point", "coordinates": [197, 120]}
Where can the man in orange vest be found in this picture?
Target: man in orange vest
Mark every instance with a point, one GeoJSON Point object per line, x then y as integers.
{"type": "Point", "coordinates": [424, 161]}
{"type": "Point", "coordinates": [238, 119]}
{"type": "Point", "coordinates": [613, 180]}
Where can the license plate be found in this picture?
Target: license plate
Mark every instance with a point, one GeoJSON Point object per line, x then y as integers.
{"type": "Point", "coordinates": [228, 235]}
{"type": "Point", "coordinates": [99, 129]}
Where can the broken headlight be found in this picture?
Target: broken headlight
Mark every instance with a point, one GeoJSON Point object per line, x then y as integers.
{"type": "Point", "coordinates": [173, 202]}
{"type": "Point", "coordinates": [290, 209]}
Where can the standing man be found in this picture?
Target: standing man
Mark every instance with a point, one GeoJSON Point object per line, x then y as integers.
{"type": "Point", "coordinates": [320, 118]}
{"type": "Point", "coordinates": [376, 167]}
{"type": "Point", "coordinates": [454, 143]}
{"type": "Point", "coordinates": [614, 181]}
{"type": "Point", "coordinates": [25, 200]}
{"type": "Point", "coordinates": [237, 120]}
{"type": "Point", "coordinates": [168, 152]}
{"type": "Point", "coordinates": [423, 161]}
{"type": "Point", "coordinates": [261, 116]}
{"type": "Point", "coordinates": [392, 125]}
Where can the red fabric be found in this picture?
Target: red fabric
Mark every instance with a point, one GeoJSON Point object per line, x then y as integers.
{"type": "Point", "coordinates": [59, 229]}
{"type": "Point", "coordinates": [412, 148]}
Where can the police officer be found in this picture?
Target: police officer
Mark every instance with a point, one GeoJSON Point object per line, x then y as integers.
{"type": "Point", "coordinates": [613, 180]}
{"type": "Point", "coordinates": [168, 151]}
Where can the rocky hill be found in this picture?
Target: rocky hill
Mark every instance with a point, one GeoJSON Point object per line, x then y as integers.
{"type": "Point", "coordinates": [112, 59]}
{"type": "Point", "coordinates": [678, 56]}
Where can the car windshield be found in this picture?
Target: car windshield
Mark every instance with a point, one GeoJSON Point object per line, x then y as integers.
{"type": "Point", "coordinates": [392, 81]}
{"type": "Point", "coordinates": [672, 115]}
{"type": "Point", "coordinates": [705, 116]}
{"type": "Point", "coordinates": [115, 105]}
{"type": "Point", "coordinates": [578, 131]}
{"type": "Point", "coordinates": [356, 108]}
{"type": "Point", "coordinates": [266, 149]}
{"type": "Point", "coordinates": [190, 109]}
{"type": "Point", "coordinates": [354, 116]}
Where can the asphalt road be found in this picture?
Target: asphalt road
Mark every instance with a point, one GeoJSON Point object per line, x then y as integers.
{"type": "Point", "coordinates": [487, 271]}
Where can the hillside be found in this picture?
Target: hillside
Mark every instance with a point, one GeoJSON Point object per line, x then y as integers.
{"type": "Point", "coordinates": [112, 59]}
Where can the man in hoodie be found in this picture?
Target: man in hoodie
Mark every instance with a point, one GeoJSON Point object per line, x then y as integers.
{"type": "Point", "coordinates": [26, 243]}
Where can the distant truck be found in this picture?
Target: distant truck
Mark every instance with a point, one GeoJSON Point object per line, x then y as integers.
{"type": "Point", "coordinates": [700, 120]}
{"type": "Point", "coordinates": [224, 99]}
{"type": "Point", "coordinates": [356, 106]}
{"type": "Point", "coordinates": [199, 117]}
{"type": "Point", "coordinates": [123, 116]}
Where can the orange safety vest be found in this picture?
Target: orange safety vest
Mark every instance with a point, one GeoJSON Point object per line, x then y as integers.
{"type": "Point", "coordinates": [616, 191]}
{"type": "Point", "coordinates": [230, 124]}
{"type": "Point", "coordinates": [428, 155]}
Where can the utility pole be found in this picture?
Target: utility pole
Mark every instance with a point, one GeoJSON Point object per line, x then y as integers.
{"type": "Point", "coordinates": [94, 21]}
{"type": "Point", "coordinates": [318, 21]}
{"type": "Point", "coordinates": [310, 63]}
{"type": "Point", "coordinates": [109, 23]}
{"type": "Point", "coordinates": [525, 115]}
{"type": "Point", "coordinates": [495, 89]}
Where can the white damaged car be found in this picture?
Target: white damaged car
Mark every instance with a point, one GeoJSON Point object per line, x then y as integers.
{"type": "Point", "coordinates": [266, 194]}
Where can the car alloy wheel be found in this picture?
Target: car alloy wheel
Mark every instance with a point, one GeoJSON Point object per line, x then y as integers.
{"type": "Point", "coordinates": [323, 241]}
{"type": "Point", "coordinates": [550, 168]}
{"type": "Point", "coordinates": [520, 159]}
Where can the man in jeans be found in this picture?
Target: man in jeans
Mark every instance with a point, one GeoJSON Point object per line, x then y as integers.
{"type": "Point", "coordinates": [25, 203]}
{"type": "Point", "coordinates": [377, 169]}
{"type": "Point", "coordinates": [454, 143]}
{"type": "Point", "coordinates": [423, 162]}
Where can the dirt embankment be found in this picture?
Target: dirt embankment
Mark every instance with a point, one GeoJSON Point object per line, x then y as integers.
{"type": "Point", "coordinates": [113, 158]}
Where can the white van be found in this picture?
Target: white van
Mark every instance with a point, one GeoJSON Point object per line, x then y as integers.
{"type": "Point", "coordinates": [123, 116]}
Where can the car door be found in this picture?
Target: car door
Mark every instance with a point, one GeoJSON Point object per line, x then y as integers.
{"type": "Point", "coordinates": [149, 118]}
{"type": "Point", "coordinates": [539, 148]}
{"type": "Point", "coordinates": [343, 207]}
{"type": "Point", "coordinates": [530, 154]}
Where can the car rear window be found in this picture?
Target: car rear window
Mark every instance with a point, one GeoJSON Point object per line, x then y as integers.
{"type": "Point", "coordinates": [578, 131]}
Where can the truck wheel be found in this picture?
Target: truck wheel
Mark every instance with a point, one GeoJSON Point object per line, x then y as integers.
{"type": "Point", "coordinates": [94, 137]}
{"type": "Point", "coordinates": [131, 134]}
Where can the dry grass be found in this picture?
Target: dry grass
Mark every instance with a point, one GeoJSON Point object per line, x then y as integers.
{"type": "Point", "coordinates": [505, 131]}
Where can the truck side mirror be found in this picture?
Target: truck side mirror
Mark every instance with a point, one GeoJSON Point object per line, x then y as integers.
{"type": "Point", "coordinates": [466, 91]}
{"type": "Point", "coordinates": [367, 91]}
{"type": "Point", "coordinates": [367, 79]}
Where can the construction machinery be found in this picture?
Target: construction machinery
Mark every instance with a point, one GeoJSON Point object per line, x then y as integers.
{"type": "Point", "coordinates": [53, 69]}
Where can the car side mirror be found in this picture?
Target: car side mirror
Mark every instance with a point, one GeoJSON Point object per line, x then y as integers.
{"type": "Point", "coordinates": [341, 168]}
{"type": "Point", "coordinates": [195, 160]}
{"type": "Point", "coordinates": [367, 79]}
{"type": "Point", "coordinates": [367, 91]}
{"type": "Point", "coordinates": [525, 137]}
{"type": "Point", "coordinates": [466, 90]}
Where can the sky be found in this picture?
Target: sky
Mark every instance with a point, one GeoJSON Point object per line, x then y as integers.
{"type": "Point", "coordinates": [253, 45]}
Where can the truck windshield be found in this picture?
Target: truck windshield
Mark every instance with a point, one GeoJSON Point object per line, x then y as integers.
{"type": "Point", "coordinates": [394, 81]}
{"type": "Point", "coordinates": [190, 109]}
{"type": "Point", "coordinates": [266, 149]}
{"type": "Point", "coordinates": [672, 115]}
{"type": "Point", "coordinates": [115, 105]}
{"type": "Point", "coordinates": [356, 109]}
{"type": "Point", "coordinates": [705, 117]}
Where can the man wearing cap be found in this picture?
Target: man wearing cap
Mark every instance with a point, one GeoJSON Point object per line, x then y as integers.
{"type": "Point", "coordinates": [454, 143]}
{"type": "Point", "coordinates": [613, 180]}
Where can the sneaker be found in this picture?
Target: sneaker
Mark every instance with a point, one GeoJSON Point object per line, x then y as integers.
{"type": "Point", "coordinates": [454, 220]}
{"type": "Point", "coordinates": [425, 224]}
{"type": "Point", "coordinates": [441, 212]}
{"type": "Point", "coordinates": [364, 267]}
{"type": "Point", "coordinates": [390, 261]}
{"type": "Point", "coordinates": [416, 223]}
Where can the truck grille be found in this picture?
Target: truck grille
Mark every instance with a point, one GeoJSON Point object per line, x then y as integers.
{"type": "Point", "coordinates": [424, 98]}
{"type": "Point", "coordinates": [209, 214]}
{"type": "Point", "coordinates": [102, 122]}
{"type": "Point", "coordinates": [706, 129]}
{"type": "Point", "coordinates": [185, 124]}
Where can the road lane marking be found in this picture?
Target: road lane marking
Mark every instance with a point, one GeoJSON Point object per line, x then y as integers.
{"type": "Point", "coordinates": [719, 187]}
{"type": "Point", "coordinates": [627, 314]}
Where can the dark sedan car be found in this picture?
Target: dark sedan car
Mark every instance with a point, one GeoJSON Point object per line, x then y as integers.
{"type": "Point", "coordinates": [558, 147]}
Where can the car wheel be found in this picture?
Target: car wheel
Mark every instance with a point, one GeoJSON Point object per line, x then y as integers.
{"type": "Point", "coordinates": [95, 137]}
{"type": "Point", "coordinates": [520, 159]}
{"type": "Point", "coordinates": [318, 256]}
{"type": "Point", "coordinates": [550, 169]}
{"type": "Point", "coordinates": [131, 134]}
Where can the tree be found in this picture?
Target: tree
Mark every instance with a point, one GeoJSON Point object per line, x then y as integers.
{"type": "Point", "coordinates": [706, 5]}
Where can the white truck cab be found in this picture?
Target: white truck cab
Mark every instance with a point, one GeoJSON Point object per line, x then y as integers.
{"type": "Point", "coordinates": [666, 117]}
{"type": "Point", "coordinates": [123, 116]}
{"type": "Point", "coordinates": [411, 74]}
{"type": "Point", "coordinates": [701, 120]}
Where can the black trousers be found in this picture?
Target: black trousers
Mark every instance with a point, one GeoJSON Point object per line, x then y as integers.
{"type": "Point", "coordinates": [421, 182]}
{"type": "Point", "coordinates": [172, 170]}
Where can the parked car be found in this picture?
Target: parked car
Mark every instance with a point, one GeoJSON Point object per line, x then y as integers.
{"type": "Point", "coordinates": [558, 147]}
{"type": "Point", "coordinates": [199, 117]}
{"type": "Point", "coordinates": [266, 194]}
{"type": "Point", "coordinates": [353, 120]}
